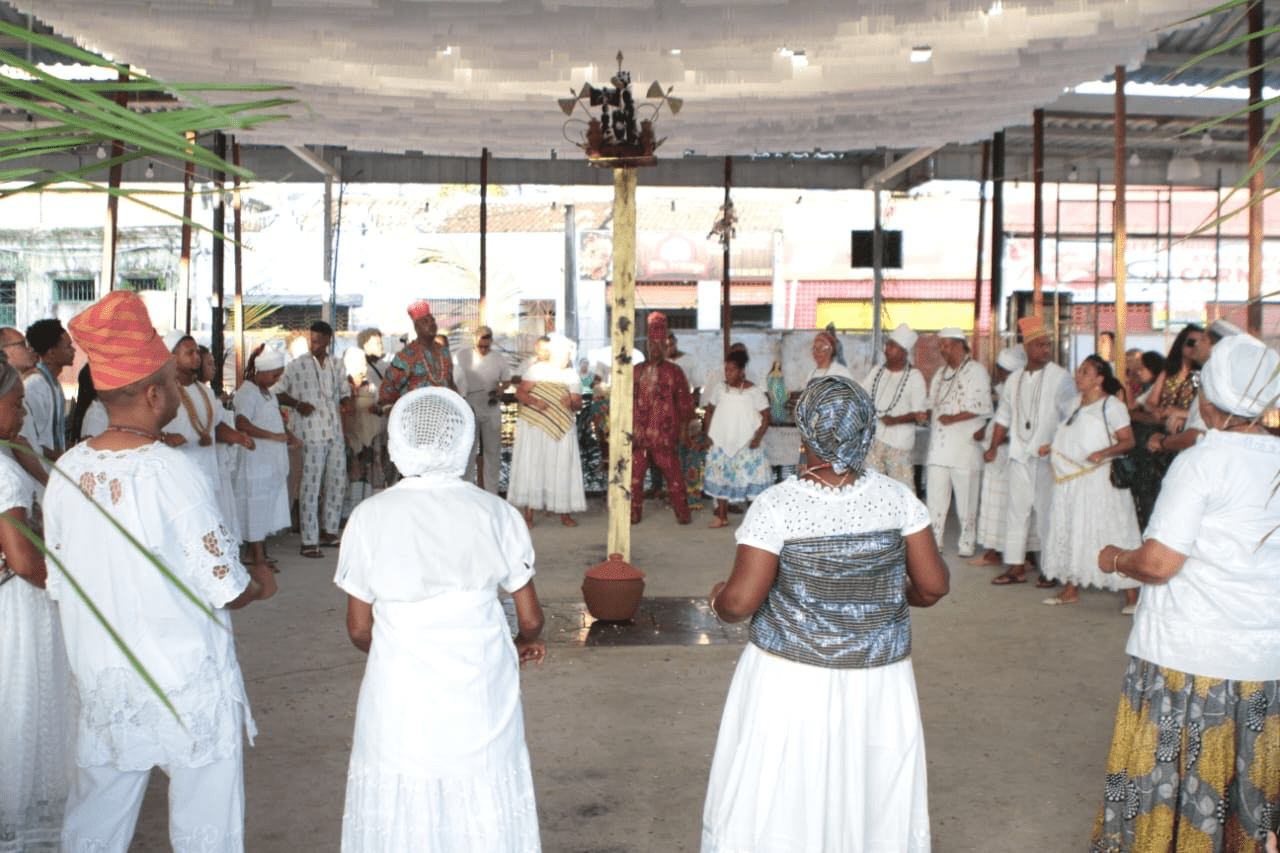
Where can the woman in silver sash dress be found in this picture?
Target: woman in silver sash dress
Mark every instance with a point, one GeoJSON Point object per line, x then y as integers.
{"type": "Point", "coordinates": [820, 746]}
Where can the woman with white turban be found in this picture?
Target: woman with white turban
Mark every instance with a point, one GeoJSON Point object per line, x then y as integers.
{"type": "Point", "coordinates": [438, 759]}
{"type": "Point", "coordinates": [1195, 757]}
{"type": "Point", "coordinates": [821, 745]}
{"type": "Point", "coordinates": [261, 478]}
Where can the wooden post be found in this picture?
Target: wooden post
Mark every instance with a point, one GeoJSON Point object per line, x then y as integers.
{"type": "Point", "coordinates": [111, 228]}
{"type": "Point", "coordinates": [219, 256]}
{"type": "Point", "coordinates": [726, 298]}
{"type": "Point", "coordinates": [237, 304]}
{"type": "Point", "coordinates": [484, 235]}
{"type": "Point", "coordinates": [622, 341]}
{"type": "Point", "coordinates": [1258, 182]}
{"type": "Point", "coordinates": [1120, 272]}
{"type": "Point", "coordinates": [182, 311]}
{"type": "Point", "coordinates": [1037, 220]}
{"type": "Point", "coordinates": [977, 275]}
{"type": "Point", "coordinates": [997, 227]}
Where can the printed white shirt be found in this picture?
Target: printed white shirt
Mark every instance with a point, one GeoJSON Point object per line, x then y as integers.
{"type": "Point", "coordinates": [967, 388]}
{"type": "Point", "coordinates": [323, 386]}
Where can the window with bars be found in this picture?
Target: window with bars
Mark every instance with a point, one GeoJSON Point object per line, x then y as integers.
{"type": "Point", "coordinates": [8, 302]}
{"type": "Point", "coordinates": [141, 283]}
{"type": "Point", "coordinates": [73, 290]}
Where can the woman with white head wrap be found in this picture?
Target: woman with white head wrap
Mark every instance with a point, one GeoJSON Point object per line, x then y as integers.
{"type": "Point", "coordinates": [821, 746]}
{"type": "Point", "coordinates": [438, 759]}
{"type": "Point", "coordinates": [261, 478]}
{"type": "Point", "coordinates": [1196, 751]}
{"type": "Point", "coordinates": [546, 467]}
{"type": "Point", "coordinates": [994, 497]}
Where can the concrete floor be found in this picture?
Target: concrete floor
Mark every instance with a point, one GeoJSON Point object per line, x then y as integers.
{"type": "Point", "coordinates": [1017, 699]}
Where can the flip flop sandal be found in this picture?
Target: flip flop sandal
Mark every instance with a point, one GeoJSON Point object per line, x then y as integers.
{"type": "Point", "coordinates": [1045, 583]}
{"type": "Point", "coordinates": [1008, 578]}
{"type": "Point", "coordinates": [312, 551]}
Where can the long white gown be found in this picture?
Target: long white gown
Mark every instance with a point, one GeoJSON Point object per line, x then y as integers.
{"type": "Point", "coordinates": [37, 726]}
{"type": "Point", "coordinates": [261, 490]}
{"type": "Point", "coordinates": [546, 473]}
{"type": "Point", "coordinates": [438, 758]}
{"type": "Point", "coordinates": [1088, 512]}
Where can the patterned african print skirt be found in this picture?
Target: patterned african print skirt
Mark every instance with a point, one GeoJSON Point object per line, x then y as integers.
{"type": "Point", "coordinates": [740, 477]}
{"type": "Point", "coordinates": [1194, 765]}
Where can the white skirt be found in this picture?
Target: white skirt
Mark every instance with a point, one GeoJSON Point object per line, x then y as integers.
{"type": "Point", "coordinates": [994, 500]}
{"type": "Point", "coordinates": [261, 490]}
{"type": "Point", "coordinates": [1087, 513]}
{"type": "Point", "coordinates": [817, 760]}
{"type": "Point", "coordinates": [545, 473]}
{"type": "Point", "coordinates": [38, 725]}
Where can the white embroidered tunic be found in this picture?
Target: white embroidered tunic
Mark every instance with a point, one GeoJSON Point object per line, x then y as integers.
{"type": "Point", "coordinates": [158, 495]}
{"type": "Point", "coordinates": [967, 388]}
{"type": "Point", "coordinates": [1032, 406]}
{"type": "Point", "coordinates": [895, 394]}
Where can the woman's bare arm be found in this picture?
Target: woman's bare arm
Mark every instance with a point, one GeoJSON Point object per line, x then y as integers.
{"type": "Point", "coordinates": [928, 578]}
{"type": "Point", "coordinates": [754, 571]}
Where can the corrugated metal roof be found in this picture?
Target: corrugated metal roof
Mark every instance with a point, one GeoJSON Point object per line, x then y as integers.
{"type": "Point", "coordinates": [1181, 44]}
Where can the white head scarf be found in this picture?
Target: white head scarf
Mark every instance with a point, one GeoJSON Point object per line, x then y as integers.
{"type": "Point", "coordinates": [904, 337]}
{"type": "Point", "coordinates": [431, 431]}
{"type": "Point", "coordinates": [1011, 358]}
{"type": "Point", "coordinates": [1242, 376]}
{"type": "Point", "coordinates": [268, 360]}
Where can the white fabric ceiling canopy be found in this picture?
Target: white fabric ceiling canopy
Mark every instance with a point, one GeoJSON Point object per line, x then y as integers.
{"type": "Point", "coordinates": [448, 77]}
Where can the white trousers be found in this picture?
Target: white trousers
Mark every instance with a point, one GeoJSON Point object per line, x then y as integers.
{"type": "Point", "coordinates": [324, 472]}
{"type": "Point", "coordinates": [206, 808]}
{"type": "Point", "coordinates": [966, 484]}
{"type": "Point", "coordinates": [1027, 511]}
{"type": "Point", "coordinates": [488, 443]}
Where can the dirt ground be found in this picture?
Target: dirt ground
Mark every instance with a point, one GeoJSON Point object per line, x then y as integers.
{"type": "Point", "coordinates": [1017, 699]}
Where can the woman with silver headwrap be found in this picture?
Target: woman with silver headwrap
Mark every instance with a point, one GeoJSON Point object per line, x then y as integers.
{"type": "Point", "coordinates": [1195, 757]}
{"type": "Point", "coordinates": [438, 759]}
{"type": "Point", "coordinates": [821, 746]}
{"type": "Point", "coordinates": [37, 727]}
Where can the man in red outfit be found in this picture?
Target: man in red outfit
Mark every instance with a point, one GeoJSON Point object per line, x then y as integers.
{"type": "Point", "coordinates": [663, 407]}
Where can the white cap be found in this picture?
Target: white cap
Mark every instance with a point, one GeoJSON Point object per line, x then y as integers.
{"type": "Point", "coordinates": [1242, 376]}
{"type": "Point", "coordinates": [1225, 328]}
{"type": "Point", "coordinates": [1012, 358]}
{"type": "Point", "coordinates": [269, 359]}
{"type": "Point", "coordinates": [904, 337]}
{"type": "Point", "coordinates": [953, 333]}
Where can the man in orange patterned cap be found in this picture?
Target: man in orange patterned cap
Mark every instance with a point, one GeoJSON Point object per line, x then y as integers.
{"type": "Point", "coordinates": [162, 499]}
{"type": "Point", "coordinates": [662, 409]}
{"type": "Point", "coordinates": [422, 363]}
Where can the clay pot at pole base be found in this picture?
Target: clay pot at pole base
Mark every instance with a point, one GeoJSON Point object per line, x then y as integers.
{"type": "Point", "coordinates": [612, 590]}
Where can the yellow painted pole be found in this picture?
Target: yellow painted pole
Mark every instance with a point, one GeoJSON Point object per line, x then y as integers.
{"type": "Point", "coordinates": [622, 342]}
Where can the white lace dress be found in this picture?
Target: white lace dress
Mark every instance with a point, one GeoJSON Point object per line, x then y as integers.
{"type": "Point", "coordinates": [810, 758]}
{"type": "Point", "coordinates": [438, 758]}
{"type": "Point", "coordinates": [1087, 512]}
{"type": "Point", "coordinates": [39, 701]}
{"type": "Point", "coordinates": [158, 495]}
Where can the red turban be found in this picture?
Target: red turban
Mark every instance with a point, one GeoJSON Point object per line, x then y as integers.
{"type": "Point", "coordinates": [419, 309]}
{"type": "Point", "coordinates": [117, 336]}
{"type": "Point", "coordinates": [657, 326]}
{"type": "Point", "coordinates": [1031, 328]}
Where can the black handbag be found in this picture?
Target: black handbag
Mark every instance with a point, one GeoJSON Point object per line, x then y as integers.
{"type": "Point", "coordinates": [1124, 468]}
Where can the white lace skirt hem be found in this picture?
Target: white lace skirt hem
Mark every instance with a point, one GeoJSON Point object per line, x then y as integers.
{"type": "Point", "coordinates": [1088, 513]}
{"type": "Point", "coordinates": [546, 474]}
{"type": "Point", "coordinates": [389, 812]}
{"type": "Point", "coordinates": [810, 759]}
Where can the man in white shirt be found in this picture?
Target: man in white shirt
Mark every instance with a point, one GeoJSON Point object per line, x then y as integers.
{"type": "Point", "coordinates": [1036, 399]}
{"type": "Point", "coordinates": [315, 386]}
{"type": "Point", "coordinates": [485, 374]}
{"type": "Point", "coordinates": [898, 391]}
{"type": "Point", "coordinates": [46, 405]}
{"type": "Point", "coordinates": [959, 393]}
{"type": "Point", "coordinates": [159, 496]}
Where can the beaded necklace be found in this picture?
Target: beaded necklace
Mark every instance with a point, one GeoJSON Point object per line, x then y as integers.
{"type": "Point", "coordinates": [1034, 413]}
{"type": "Point", "coordinates": [897, 395]}
{"type": "Point", "coordinates": [201, 430]}
{"type": "Point", "coordinates": [949, 382]}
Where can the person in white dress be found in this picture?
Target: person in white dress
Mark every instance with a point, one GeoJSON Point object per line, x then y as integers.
{"type": "Point", "coordinates": [183, 639]}
{"type": "Point", "coordinates": [438, 757]}
{"type": "Point", "coordinates": [820, 746]}
{"type": "Point", "coordinates": [737, 416]}
{"type": "Point", "coordinates": [1036, 399]}
{"type": "Point", "coordinates": [200, 424]}
{"type": "Point", "coordinates": [995, 474]}
{"type": "Point", "coordinates": [546, 467]}
{"type": "Point", "coordinates": [1087, 512]}
{"type": "Point", "coordinates": [824, 351]}
{"type": "Point", "coordinates": [37, 727]}
{"type": "Point", "coordinates": [899, 392]}
{"type": "Point", "coordinates": [262, 494]}
{"type": "Point", "coordinates": [959, 400]}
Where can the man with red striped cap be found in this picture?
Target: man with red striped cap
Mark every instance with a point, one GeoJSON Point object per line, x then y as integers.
{"type": "Point", "coordinates": [422, 362]}
{"type": "Point", "coordinates": [181, 638]}
{"type": "Point", "coordinates": [662, 408]}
